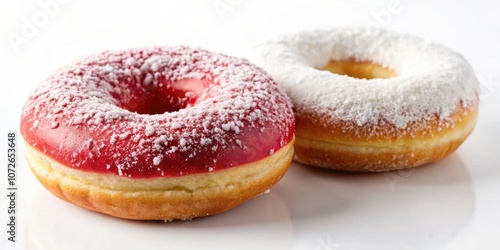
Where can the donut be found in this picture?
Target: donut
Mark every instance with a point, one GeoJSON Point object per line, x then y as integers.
{"type": "Point", "coordinates": [159, 133]}
{"type": "Point", "coordinates": [372, 100]}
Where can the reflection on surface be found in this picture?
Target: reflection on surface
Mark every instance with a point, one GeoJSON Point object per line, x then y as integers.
{"type": "Point", "coordinates": [56, 225]}
{"type": "Point", "coordinates": [411, 209]}
{"type": "Point", "coordinates": [309, 209]}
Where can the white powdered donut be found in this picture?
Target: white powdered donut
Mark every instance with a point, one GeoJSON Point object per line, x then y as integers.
{"type": "Point", "coordinates": [373, 124]}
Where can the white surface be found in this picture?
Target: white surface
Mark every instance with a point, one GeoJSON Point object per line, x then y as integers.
{"type": "Point", "coordinates": [451, 204]}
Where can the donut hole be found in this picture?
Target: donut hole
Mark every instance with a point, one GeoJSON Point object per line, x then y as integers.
{"type": "Point", "coordinates": [361, 70]}
{"type": "Point", "coordinates": [170, 97]}
{"type": "Point", "coordinates": [155, 104]}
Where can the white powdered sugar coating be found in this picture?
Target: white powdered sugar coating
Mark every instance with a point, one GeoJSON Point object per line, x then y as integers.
{"type": "Point", "coordinates": [93, 98]}
{"type": "Point", "coordinates": [431, 79]}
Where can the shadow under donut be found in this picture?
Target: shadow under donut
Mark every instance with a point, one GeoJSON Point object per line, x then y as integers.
{"type": "Point", "coordinates": [55, 224]}
{"type": "Point", "coordinates": [409, 209]}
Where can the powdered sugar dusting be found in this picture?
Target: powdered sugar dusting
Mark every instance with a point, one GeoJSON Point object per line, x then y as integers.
{"type": "Point", "coordinates": [432, 80]}
{"type": "Point", "coordinates": [225, 112]}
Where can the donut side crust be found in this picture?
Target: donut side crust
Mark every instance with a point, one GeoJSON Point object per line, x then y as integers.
{"type": "Point", "coordinates": [165, 198]}
{"type": "Point", "coordinates": [336, 149]}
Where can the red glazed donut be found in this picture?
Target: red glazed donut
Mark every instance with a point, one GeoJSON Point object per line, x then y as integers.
{"type": "Point", "coordinates": [158, 133]}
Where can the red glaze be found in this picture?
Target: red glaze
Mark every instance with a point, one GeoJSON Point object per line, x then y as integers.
{"type": "Point", "coordinates": [156, 112]}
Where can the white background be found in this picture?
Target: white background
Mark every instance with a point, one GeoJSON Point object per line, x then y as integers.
{"type": "Point", "coordinates": [451, 204]}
